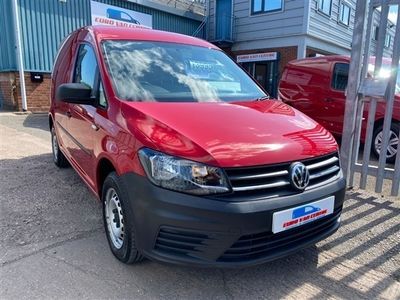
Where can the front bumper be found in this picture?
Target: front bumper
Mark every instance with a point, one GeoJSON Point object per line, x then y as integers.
{"type": "Point", "coordinates": [192, 230]}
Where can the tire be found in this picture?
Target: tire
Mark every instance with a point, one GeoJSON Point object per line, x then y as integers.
{"type": "Point", "coordinates": [58, 157]}
{"type": "Point", "coordinates": [393, 141]}
{"type": "Point", "coordinates": [118, 220]}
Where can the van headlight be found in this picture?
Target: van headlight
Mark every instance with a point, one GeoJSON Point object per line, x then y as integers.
{"type": "Point", "coordinates": [182, 175]}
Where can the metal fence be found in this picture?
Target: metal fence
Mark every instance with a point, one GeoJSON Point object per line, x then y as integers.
{"type": "Point", "coordinates": [371, 89]}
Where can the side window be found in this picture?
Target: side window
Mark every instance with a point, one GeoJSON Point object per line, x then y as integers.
{"type": "Point", "coordinates": [86, 72]}
{"type": "Point", "coordinates": [340, 76]}
{"type": "Point", "coordinates": [125, 16]}
{"type": "Point", "coordinates": [86, 66]}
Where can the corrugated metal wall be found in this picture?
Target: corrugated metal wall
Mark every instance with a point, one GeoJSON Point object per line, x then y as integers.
{"type": "Point", "coordinates": [45, 23]}
{"type": "Point", "coordinates": [7, 41]}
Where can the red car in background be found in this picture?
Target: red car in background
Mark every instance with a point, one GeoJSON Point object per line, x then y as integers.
{"type": "Point", "coordinates": [316, 86]}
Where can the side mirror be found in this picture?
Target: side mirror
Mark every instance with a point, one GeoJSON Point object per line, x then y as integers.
{"type": "Point", "coordinates": [77, 93]}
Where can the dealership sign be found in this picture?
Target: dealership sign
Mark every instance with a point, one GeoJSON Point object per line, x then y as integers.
{"type": "Point", "coordinates": [257, 57]}
{"type": "Point", "coordinates": [103, 14]}
{"type": "Point", "coordinates": [293, 217]}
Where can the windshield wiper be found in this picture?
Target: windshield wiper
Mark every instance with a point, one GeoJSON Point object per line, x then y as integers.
{"type": "Point", "coordinates": [267, 97]}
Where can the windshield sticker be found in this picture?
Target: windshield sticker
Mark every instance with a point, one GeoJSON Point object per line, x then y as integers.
{"type": "Point", "coordinates": [199, 69]}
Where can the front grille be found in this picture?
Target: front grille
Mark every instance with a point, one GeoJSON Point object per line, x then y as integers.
{"type": "Point", "coordinates": [180, 242]}
{"type": "Point", "coordinates": [273, 180]}
{"type": "Point", "coordinates": [264, 244]}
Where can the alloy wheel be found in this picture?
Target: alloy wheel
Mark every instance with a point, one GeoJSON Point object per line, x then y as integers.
{"type": "Point", "coordinates": [392, 146]}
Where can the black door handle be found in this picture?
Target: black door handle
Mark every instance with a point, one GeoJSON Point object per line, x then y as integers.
{"type": "Point", "coordinates": [329, 100]}
{"type": "Point", "coordinates": [68, 114]}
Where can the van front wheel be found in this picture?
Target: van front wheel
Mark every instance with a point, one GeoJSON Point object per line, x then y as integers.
{"type": "Point", "coordinates": [118, 220]}
{"type": "Point", "coordinates": [58, 157]}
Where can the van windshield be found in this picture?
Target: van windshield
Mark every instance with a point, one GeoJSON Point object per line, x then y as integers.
{"type": "Point", "coordinates": [169, 72]}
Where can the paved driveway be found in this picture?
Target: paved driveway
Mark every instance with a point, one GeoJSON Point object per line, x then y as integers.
{"type": "Point", "coordinates": [53, 244]}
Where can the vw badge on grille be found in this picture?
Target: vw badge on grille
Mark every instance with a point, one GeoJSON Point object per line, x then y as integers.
{"type": "Point", "coordinates": [299, 176]}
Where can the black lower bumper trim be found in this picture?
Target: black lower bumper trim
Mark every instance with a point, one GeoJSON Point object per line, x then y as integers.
{"type": "Point", "coordinates": [202, 231]}
{"type": "Point", "coordinates": [266, 244]}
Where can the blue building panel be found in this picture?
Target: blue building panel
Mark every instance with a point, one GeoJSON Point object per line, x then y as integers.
{"type": "Point", "coordinates": [46, 23]}
{"type": "Point", "coordinates": [7, 40]}
{"type": "Point", "coordinates": [223, 20]}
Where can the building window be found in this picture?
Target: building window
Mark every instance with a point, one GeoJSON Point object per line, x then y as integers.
{"type": "Point", "coordinates": [340, 76]}
{"type": "Point", "coordinates": [388, 39]}
{"type": "Point", "coordinates": [376, 32]}
{"type": "Point", "coordinates": [344, 16]}
{"type": "Point", "coordinates": [324, 6]}
{"type": "Point", "coordinates": [257, 6]}
{"type": "Point", "coordinates": [263, 6]}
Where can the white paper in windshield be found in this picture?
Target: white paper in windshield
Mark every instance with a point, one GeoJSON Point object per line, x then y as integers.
{"type": "Point", "coordinates": [225, 86]}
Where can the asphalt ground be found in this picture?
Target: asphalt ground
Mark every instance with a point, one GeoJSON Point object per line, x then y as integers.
{"type": "Point", "coordinates": [52, 243]}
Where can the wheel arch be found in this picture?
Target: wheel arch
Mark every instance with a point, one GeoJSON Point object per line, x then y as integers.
{"type": "Point", "coordinates": [380, 122]}
{"type": "Point", "coordinates": [51, 122]}
{"type": "Point", "coordinates": [104, 167]}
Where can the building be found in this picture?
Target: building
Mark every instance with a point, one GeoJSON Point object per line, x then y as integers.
{"type": "Point", "coordinates": [263, 35]}
{"type": "Point", "coordinates": [44, 24]}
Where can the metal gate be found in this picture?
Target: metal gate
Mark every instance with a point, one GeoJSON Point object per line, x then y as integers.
{"type": "Point", "coordinates": [367, 87]}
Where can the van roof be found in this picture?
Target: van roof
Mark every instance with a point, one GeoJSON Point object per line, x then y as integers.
{"type": "Point", "coordinates": [144, 34]}
{"type": "Point", "coordinates": [320, 59]}
{"type": "Point", "coordinates": [330, 58]}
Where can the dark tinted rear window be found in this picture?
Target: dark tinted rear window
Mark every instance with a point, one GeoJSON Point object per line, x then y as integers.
{"type": "Point", "coordinates": [340, 76]}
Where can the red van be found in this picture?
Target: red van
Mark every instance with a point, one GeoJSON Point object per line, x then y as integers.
{"type": "Point", "coordinates": [316, 86]}
{"type": "Point", "coordinates": [192, 162]}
